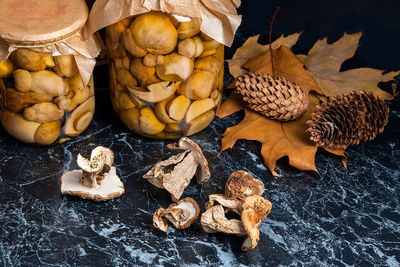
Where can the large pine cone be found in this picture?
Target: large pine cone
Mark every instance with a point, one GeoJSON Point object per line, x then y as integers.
{"type": "Point", "coordinates": [347, 120]}
{"type": "Point", "coordinates": [277, 99]}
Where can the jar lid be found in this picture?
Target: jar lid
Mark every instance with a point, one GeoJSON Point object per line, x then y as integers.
{"type": "Point", "coordinates": [40, 22]}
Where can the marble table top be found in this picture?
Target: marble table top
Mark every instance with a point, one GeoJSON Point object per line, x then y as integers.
{"type": "Point", "coordinates": [336, 218]}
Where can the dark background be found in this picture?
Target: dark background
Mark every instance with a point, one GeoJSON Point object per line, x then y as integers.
{"type": "Point", "coordinates": [337, 218]}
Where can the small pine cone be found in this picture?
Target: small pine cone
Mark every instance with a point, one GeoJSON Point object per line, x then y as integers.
{"type": "Point", "coordinates": [277, 99]}
{"type": "Point", "coordinates": [347, 120]}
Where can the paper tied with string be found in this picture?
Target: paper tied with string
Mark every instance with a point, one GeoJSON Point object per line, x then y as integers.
{"type": "Point", "coordinates": [83, 50]}
{"type": "Point", "coordinates": [219, 18]}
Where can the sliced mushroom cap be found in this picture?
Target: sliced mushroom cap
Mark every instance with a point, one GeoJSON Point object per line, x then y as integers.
{"type": "Point", "coordinates": [177, 107]}
{"type": "Point", "coordinates": [148, 122]}
{"type": "Point", "coordinates": [80, 118]}
{"type": "Point", "coordinates": [174, 67]}
{"type": "Point", "coordinates": [155, 92]}
{"type": "Point", "coordinates": [199, 107]}
{"type": "Point", "coordinates": [181, 214]}
{"type": "Point", "coordinates": [203, 173]}
{"type": "Point", "coordinates": [161, 111]}
{"type": "Point", "coordinates": [213, 220]}
{"type": "Point", "coordinates": [199, 123]}
{"type": "Point", "coordinates": [255, 210]}
{"type": "Point", "coordinates": [110, 187]}
{"type": "Point", "coordinates": [242, 184]}
{"type": "Point", "coordinates": [199, 85]}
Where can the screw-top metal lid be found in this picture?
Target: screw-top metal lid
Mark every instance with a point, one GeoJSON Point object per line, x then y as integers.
{"type": "Point", "coordinates": [40, 22]}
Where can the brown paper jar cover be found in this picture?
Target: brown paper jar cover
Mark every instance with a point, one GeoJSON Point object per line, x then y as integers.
{"type": "Point", "coordinates": [46, 84]}
{"type": "Point", "coordinates": [165, 65]}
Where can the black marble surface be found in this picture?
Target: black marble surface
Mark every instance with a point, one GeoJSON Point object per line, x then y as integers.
{"type": "Point", "coordinates": [337, 218]}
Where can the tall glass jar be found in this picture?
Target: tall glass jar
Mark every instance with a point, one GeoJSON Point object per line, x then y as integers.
{"type": "Point", "coordinates": [166, 76]}
{"type": "Point", "coordinates": [45, 95]}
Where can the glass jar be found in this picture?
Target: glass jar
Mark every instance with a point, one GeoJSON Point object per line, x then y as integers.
{"type": "Point", "coordinates": [43, 97]}
{"type": "Point", "coordinates": [166, 76]}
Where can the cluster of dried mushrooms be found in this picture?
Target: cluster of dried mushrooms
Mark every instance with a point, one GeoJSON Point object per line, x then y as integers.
{"type": "Point", "coordinates": [242, 197]}
{"type": "Point", "coordinates": [96, 180]}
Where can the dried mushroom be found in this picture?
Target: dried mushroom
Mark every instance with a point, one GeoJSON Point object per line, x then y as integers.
{"type": "Point", "coordinates": [234, 205]}
{"type": "Point", "coordinates": [242, 184]}
{"type": "Point", "coordinates": [175, 173]}
{"type": "Point", "coordinates": [242, 196]}
{"type": "Point", "coordinates": [97, 180]}
{"type": "Point", "coordinates": [203, 173]}
{"type": "Point", "coordinates": [255, 210]}
{"type": "Point", "coordinates": [181, 214]}
{"type": "Point", "coordinates": [213, 220]}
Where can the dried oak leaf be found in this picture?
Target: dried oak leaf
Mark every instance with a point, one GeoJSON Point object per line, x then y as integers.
{"type": "Point", "coordinates": [251, 48]}
{"type": "Point", "coordinates": [324, 61]}
{"type": "Point", "coordinates": [279, 139]}
{"type": "Point", "coordinates": [286, 65]}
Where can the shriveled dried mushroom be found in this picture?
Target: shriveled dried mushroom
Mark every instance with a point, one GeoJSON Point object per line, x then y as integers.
{"type": "Point", "coordinates": [94, 169]}
{"type": "Point", "coordinates": [213, 220]}
{"type": "Point", "coordinates": [181, 214]}
{"type": "Point", "coordinates": [97, 180]}
{"type": "Point", "coordinates": [234, 205]}
{"type": "Point", "coordinates": [242, 184]}
{"type": "Point", "coordinates": [244, 199]}
{"type": "Point", "coordinates": [255, 210]}
{"type": "Point", "coordinates": [175, 173]}
{"type": "Point", "coordinates": [203, 173]}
